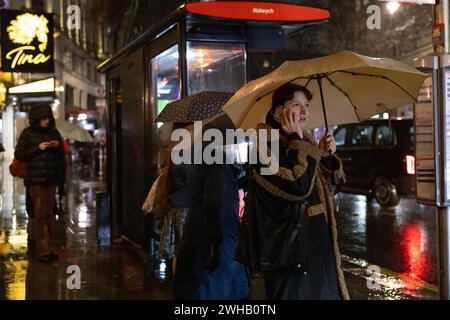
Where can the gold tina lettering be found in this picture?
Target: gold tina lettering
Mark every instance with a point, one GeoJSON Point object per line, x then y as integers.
{"type": "Point", "coordinates": [19, 56]}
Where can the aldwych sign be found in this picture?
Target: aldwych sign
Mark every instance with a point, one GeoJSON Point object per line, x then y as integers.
{"type": "Point", "coordinates": [26, 42]}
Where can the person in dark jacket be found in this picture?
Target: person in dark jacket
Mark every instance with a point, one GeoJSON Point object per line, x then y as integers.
{"type": "Point", "coordinates": [288, 230]}
{"type": "Point", "coordinates": [206, 268]}
{"type": "Point", "coordinates": [41, 149]}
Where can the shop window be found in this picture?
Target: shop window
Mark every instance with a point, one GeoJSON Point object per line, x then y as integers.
{"type": "Point", "coordinates": [215, 66]}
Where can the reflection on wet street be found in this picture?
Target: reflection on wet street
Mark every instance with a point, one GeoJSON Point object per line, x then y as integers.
{"type": "Point", "coordinates": [106, 272]}
{"type": "Point", "coordinates": [401, 242]}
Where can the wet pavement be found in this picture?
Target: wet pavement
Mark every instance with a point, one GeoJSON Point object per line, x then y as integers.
{"type": "Point", "coordinates": [401, 242]}
{"type": "Point", "coordinates": [110, 272]}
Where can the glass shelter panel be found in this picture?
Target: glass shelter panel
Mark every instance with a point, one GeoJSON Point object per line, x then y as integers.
{"type": "Point", "coordinates": [165, 78]}
{"type": "Point", "coordinates": [215, 66]}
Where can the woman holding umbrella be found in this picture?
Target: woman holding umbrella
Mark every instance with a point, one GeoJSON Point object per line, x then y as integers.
{"type": "Point", "coordinates": [289, 229]}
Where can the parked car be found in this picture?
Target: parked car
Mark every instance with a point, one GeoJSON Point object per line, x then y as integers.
{"type": "Point", "coordinates": [378, 162]}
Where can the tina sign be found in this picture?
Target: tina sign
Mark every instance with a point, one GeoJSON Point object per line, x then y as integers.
{"type": "Point", "coordinates": [26, 42]}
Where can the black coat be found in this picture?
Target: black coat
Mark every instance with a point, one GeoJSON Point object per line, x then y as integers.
{"type": "Point", "coordinates": [41, 167]}
{"type": "Point", "coordinates": [212, 222]}
{"type": "Point", "coordinates": [289, 229]}
{"type": "Point", "coordinates": [179, 193]}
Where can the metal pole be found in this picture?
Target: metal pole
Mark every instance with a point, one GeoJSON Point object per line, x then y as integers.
{"type": "Point", "coordinates": [443, 222]}
{"type": "Point", "coordinates": [442, 213]}
{"type": "Point", "coordinates": [445, 4]}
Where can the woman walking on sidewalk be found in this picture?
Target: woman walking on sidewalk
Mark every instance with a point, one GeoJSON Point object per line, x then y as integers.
{"type": "Point", "coordinates": [41, 149]}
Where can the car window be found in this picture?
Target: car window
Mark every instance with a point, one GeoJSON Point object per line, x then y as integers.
{"type": "Point", "coordinates": [384, 136]}
{"type": "Point", "coordinates": [363, 136]}
{"type": "Point", "coordinates": [339, 136]}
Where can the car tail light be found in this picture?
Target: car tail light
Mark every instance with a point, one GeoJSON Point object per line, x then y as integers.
{"type": "Point", "coordinates": [410, 164]}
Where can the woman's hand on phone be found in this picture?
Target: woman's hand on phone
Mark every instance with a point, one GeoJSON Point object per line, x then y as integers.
{"type": "Point", "coordinates": [54, 143]}
{"type": "Point", "coordinates": [44, 145]}
{"type": "Point", "coordinates": [290, 124]}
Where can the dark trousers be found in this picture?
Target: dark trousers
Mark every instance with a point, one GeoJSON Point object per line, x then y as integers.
{"type": "Point", "coordinates": [43, 199]}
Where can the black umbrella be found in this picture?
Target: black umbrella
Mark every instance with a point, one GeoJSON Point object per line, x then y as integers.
{"type": "Point", "coordinates": [196, 107]}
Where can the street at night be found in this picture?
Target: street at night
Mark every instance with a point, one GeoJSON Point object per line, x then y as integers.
{"type": "Point", "coordinates": [225, 157]}
{"type": "Point", "coordinates": [400, 241]}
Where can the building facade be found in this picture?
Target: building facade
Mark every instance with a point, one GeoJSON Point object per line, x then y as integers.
{"type": "Point", "coordinates": [78, 40]}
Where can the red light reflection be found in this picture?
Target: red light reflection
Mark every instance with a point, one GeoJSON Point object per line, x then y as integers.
{"type": "Point", "coordinates": [413, 254]}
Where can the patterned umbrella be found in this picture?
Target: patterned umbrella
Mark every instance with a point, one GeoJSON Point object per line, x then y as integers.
{"type": "Point", "coordinates": [196, 107]}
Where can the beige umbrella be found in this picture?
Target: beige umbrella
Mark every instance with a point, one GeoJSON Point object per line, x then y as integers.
{"type": "Point", "coordinates": [70, 131]}
{"type": "Point", "coordinates": [353, 87]}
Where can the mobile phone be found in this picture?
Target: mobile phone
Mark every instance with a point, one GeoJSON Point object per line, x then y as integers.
{"type": "Point", "coordinates": [278, 113]}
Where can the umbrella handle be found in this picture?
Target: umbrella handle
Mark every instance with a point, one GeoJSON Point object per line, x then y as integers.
{"type": "Point", "coordinates": [319, 82]}
{"type": "Point", "coordinates": [334, 176]}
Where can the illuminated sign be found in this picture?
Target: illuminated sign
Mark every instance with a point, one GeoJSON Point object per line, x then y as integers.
{"type": "Point", "coordinates": [260, 11]}
{"type": "Point", "coordinates": [46, 85]}
{"type": "Point", "coordinates": [26, 42]}
{"type": "Point", "coordinates": [2, 95]}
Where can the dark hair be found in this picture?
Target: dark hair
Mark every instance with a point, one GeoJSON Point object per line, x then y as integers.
{"type": "Point", "coordinates": [286, 92]}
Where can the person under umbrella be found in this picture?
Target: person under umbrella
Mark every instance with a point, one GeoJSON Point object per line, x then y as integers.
{"type": "Point", "coordinates": [288, 230]}
{"type": "Point", "coordinates": [206, 268]}
{"type": "Point", "coordinates": [180, 113]}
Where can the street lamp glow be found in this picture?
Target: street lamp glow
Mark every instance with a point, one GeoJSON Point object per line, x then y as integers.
{"type": "Point", "coordinates": [392, 6]}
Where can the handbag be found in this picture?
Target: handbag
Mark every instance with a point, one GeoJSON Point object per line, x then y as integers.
{"type": "Point", "coordinates": [156, 201]}
{"type": "Point", "coordinates": [270, 239]}
{"type": "Point", "coordinates": [17, 169]}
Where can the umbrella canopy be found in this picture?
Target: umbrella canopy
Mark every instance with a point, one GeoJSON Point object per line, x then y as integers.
{"type": "Point", "coordinates": [196, 107]}
{"type": "Point", "coordinates": [355, 88]}
{"type": "Point", "coordinates": [70, 131]}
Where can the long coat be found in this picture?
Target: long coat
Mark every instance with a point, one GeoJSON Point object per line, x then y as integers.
{"type": "Point", "coordinates": [213, 220]}
{"type": "Point", "coordinates": [289, 229]}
